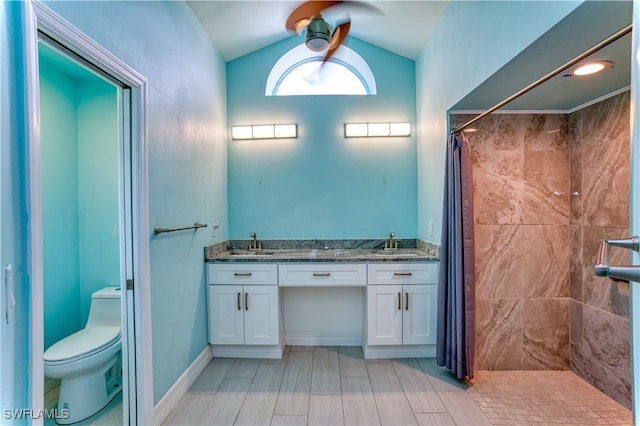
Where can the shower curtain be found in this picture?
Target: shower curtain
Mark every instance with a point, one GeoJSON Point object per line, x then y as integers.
{"type": "Point", "coordinates": [456, 285]}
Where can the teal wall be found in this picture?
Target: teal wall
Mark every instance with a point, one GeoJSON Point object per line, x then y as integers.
{"type": "Point", "coordinates": [187, 157]}
{"type": "Point", "coordinates": [59, 149]}
{"type": "Point", "coordinates": [322, 185]}
{"type": "Point", "coordinates": [98, 190]}
{"type": "Point", "coordinates": [471, 42]}
{"type": "Point", "coordinates": [80, 187]}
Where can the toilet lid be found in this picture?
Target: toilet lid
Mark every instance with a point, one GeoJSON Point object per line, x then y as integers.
{"type": "Point", "coordinates": [83, 343]}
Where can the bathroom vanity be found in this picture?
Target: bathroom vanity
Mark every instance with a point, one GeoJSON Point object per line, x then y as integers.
{"type": "Point", "coordinates": [262, 300]}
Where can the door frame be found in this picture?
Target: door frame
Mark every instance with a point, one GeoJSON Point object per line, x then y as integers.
{"type": "Point", "coordinates": [136, 303]}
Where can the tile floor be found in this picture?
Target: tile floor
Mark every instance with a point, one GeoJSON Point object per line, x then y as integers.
{"type": "Point", "coordinates": [335, 385]}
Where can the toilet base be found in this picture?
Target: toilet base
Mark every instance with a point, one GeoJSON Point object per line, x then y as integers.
{"type": "Point", "coordinates": [84, 396]}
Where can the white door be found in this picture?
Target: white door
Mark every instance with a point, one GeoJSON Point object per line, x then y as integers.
{"type": "Point", "coordinates": [261, 315]}
{"type": "Point", "coordinates": [384, 315]}
{"type": "Point", "coordinates": [226, 325]}
{"type": "Point", "coordinates": [419, 317]}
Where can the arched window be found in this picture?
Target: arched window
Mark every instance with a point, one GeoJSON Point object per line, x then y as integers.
{"type": "Point", "coordinates": [301, 72]}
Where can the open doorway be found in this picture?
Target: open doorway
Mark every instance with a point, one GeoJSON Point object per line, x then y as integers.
{"type": "Point", "coordinates": [87, 190]}
{"type": "Point", "coordinates": [81, 232]}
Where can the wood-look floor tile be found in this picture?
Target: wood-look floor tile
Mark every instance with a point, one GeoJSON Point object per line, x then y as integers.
{"type": "Point", "coordinates": [212, 376]}
{"type": "Point", "coordinates": [358, 403]}
{"type": "Point", "coordinates": [393, 406]}
{"type": "Point", "coordinates": [189, 410]}
{"type": "Point", "coordinates": [289, 421]}
{"type": "Point", "coordinates": [244, 368]}
{"type": "Point", "coordinates": [463, 408]}
{"type": "Point", "coordinates": [325, 378]}
{"type": "Point", "coordinates": [440, 378]}
{"type": "Point", "coordinates": [419, 391]}
{"type": "Point", "coordinates": [325, 410]}
{"type": "Point", "coordinates": [258, 405]}
{"type": "Point", "coordinates": [434, 419]}
{"type": "Point", "coordinates": [293, 399]}
{"type": "Point", "coordinates": [352, 362]}
{"type": "Point", "coordinates": [226, 403]}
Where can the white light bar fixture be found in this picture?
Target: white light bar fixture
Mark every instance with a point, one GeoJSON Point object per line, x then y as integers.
{"type": "Point", "coordinates": [370, 130]}
{"type": "Point", "coordinates": [265, 131]}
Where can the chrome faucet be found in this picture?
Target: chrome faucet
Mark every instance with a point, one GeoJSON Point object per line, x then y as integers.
{"type": "Point", "coordinates": [391, 244]}
{"type": "Point", "coordinates": [255, 244]}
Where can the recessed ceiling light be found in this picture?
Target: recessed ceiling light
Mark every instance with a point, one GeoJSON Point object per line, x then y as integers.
{"type": "Point", "coordinates": [592, 67]}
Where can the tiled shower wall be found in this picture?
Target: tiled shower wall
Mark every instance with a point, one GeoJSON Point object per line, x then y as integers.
{"type": "Point", "coordinates": [599, 141]}
{"type": "Point", "coordinates": [538, 305]}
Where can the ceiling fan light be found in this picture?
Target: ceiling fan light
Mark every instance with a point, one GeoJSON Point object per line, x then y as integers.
{"type": "Point", "coordinates": [318, 35]}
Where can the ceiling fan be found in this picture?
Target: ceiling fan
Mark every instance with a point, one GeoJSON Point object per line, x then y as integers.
{"type": "Point", "coordinates": [319, 36]}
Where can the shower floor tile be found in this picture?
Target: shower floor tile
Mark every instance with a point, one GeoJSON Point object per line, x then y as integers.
{"type": "Point", "coordinates": [544, 397]}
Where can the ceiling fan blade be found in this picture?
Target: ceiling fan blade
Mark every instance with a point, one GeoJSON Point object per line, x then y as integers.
{"type": "Point", "coordinates": [306, 11]}
{"type": "Point", "coordinates": [339, 34]}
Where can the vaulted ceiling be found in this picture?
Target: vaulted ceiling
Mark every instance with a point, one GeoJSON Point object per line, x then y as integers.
{"type": "Point", "coordinates": [239, 27]}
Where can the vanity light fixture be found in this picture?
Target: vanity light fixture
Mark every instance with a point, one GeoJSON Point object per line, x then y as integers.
{"type": "Point", "coordinates": [264, 131]}
{"type": "Point", "coordinates": [368, 130]}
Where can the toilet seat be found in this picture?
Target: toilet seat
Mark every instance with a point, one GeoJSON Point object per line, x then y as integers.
{"type": "Point", "coordinates": [82, 344]}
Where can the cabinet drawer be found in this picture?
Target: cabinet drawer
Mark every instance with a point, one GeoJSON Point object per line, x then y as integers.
{"type": "Point", "coordinates": [323, 275]}
{"type": "Point", "coordinates": [242, 273]}
{"type": "Point", "coordinates": [402, 273]}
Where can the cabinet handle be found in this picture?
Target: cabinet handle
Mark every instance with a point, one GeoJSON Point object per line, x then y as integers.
{"type": "Point", "coordinates": [402, 274]}
{"type": "Point", "coordinates": [406, 301]}
{"type": "Point", "coordinates": [246, 301]}
{"type": "Point", "coordinates": [399, 301]}
{"type": "Point", "coordinates": [239, 307]}
{"type": "Point", "coordinates": [242, 274]}
{"type": "Point", "coordinates": [322, 274]}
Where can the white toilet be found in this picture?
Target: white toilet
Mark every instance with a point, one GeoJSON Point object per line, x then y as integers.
{"type": "Point", "coordinates": [89, 362]}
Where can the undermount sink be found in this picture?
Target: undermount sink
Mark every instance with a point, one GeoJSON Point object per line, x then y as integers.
{"type": "Point", "coordinates": [248, 253]}
{"type": "Point", "coordinates": [391, 253]}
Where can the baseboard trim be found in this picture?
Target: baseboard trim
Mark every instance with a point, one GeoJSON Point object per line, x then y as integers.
{"type": "Point", "coordinates": [170, 400]}
{"type": "Point", "coordinates": [247, 351]}
{"type": "Point", "coordinates": [323, 338]}
{"type": "Point", "coordinates": [408, 351]}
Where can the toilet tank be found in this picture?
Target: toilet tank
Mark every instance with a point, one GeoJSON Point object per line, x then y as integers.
{"type": "Point", "coordinates": [105, 308]}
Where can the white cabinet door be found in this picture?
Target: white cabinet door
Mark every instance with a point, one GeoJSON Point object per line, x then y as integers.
{"type": "Point", "coordinates": [226, 324]}
{"type": "Point", "coordinates": [419, 317]}
{"type": "Point", "coordinates": [384, 315]}
{"type": "Point", "coordinates": [261, 315]}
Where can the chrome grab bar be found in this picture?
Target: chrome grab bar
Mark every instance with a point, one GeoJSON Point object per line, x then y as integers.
{"type": "Point", "coordinates": [602, 267]}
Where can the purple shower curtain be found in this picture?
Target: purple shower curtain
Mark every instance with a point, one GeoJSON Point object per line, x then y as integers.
{"type": "Point", "coordinates": [456, 286]}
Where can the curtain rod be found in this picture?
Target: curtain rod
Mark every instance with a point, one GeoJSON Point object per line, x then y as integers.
{"type": "Point", "coordinates": [626, 30]}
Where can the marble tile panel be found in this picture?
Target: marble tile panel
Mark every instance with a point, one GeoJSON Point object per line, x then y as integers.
{"type": "Point", "coordinates": [499, 334]}
{"type": "Point", "coordinates": [575, 185]}
{"type": "Point", "coordinates": [546, 132]}
{"type": "Point", "coordinates": [607, 121]}
{"type": "Point", "coordinates": [606, 186]}
{"type": "Point", "coordinates": [545, 344]}
{"type": "Point", "coordinates": [576, 337]}
{"type": "Point", "coordinates": [498, 132]}
{"type": "Point", "coordinates": [498, 251]}
{"type": "Point", "coordinates": [546, 187]}
{"type": "Point", "coordinates": [546, 261]}
{"type": "Point", "coordinates": [574, 122]}
{"type": "Point", "coordinates": [498, 187]}
{"type": "Point", "coordinates": [576, 268]}
{"type": "Point", "coordinates": [606, 353]}
{"type": "Point", "coordinates": [601, 292]}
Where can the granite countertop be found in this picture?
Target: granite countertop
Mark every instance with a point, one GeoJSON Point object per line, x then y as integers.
{"type": "Point", "coordinates": [320, 251]}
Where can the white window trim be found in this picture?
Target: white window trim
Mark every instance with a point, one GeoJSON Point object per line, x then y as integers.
{"type": "Point", "coordinates": [299, 54]}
